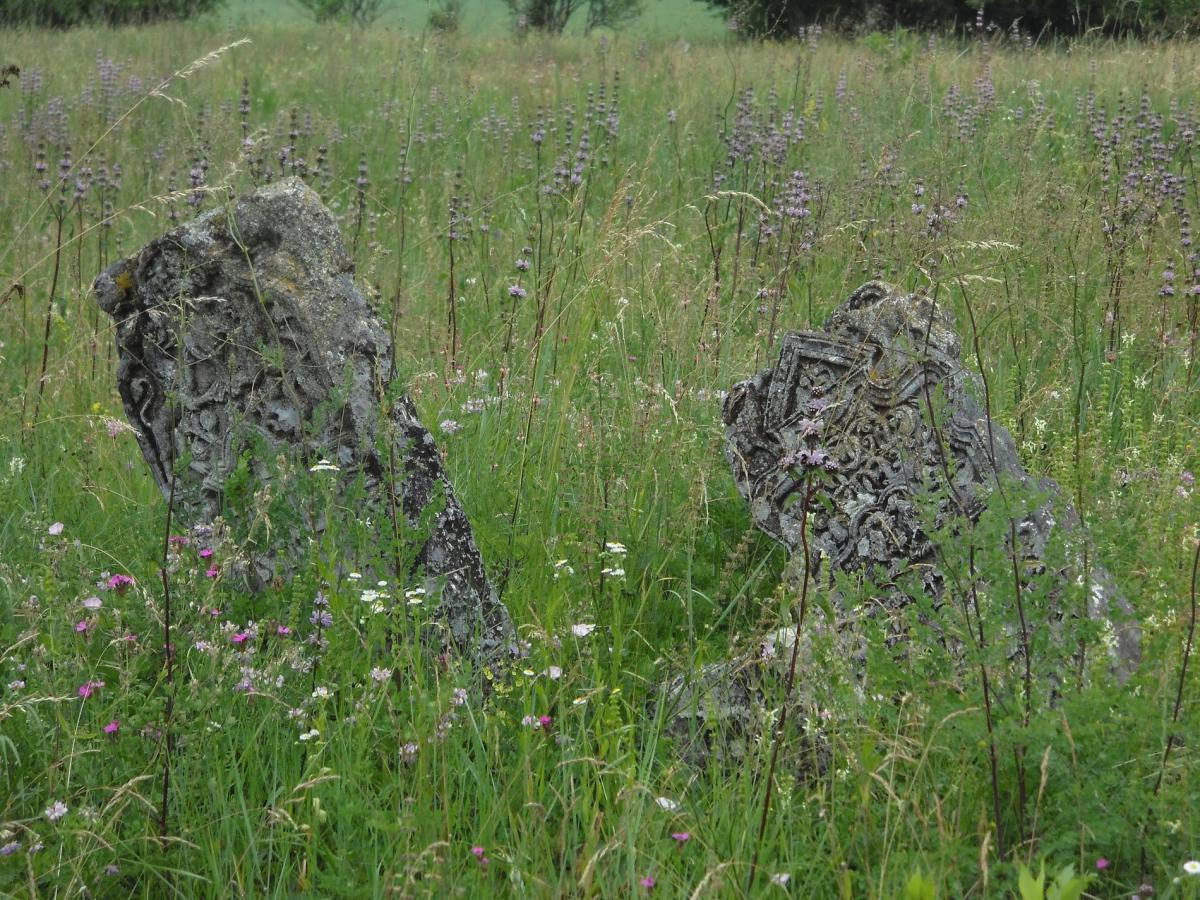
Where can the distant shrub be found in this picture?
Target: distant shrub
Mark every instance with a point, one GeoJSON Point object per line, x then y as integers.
{"type": "Point", "coordinates": [784, 18]}
{"type": "Point", "coordinates": [69, 13]}
{"type": "Point", "coordinates": [445, 16]}
{"type": "Point", "coordinates": [552, 16]}
{"type": "Point", "coordinates": [360, 12]}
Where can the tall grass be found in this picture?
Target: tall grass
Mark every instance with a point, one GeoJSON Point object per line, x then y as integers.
{"type": "Point", "coordinates": [313, 750]}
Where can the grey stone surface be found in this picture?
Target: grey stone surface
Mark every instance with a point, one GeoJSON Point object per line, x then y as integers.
{"type": "Point", "coordinates": [245, 327]}
{"type": "Point", "coordinates": [850, 407]}
{"type": "Point", "coordinates": [854, 401]}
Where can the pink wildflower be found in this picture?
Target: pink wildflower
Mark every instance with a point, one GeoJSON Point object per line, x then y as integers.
{"type": "Point", "coordinates": [212, 572]}
{"type": "Point", "coordinates": [545, 722]}
{"type": "Point", "coordinates": [682, 836]}
{"type": "Point", "coordinates": [119, 583]}
{"type": "Point", "coordinates": [206, 553]}
{"type": "Point", "coordinates": [83, 625]}
{"type": "Point", "coordinates": [283, 630]}
{"type": "Point", "coordinates": [89, 687]}
{"type": "Point", "coordinates": [648, 882]}
{"type": "Point", "coordinates": [112, 727]}
{"type": "Point", "coordinates": [1102, 864]}
{"type": "Point", "coordinates": [240, 637]}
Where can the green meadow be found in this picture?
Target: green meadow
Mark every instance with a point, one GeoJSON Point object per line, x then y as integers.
{"type": "Point", "coordinates": [304, 747]}
{"type": "Point", "coordinates": [662, 19]}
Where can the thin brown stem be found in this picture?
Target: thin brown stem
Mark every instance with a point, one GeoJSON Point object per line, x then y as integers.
{"type": "Point", "coordinates": [791, 680]}
{"type": "Point", "coordinates": [1178, 707]}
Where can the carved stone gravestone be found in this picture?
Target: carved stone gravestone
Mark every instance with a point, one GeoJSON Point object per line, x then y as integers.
{"type": "Point", "coordinates": [244, 329]}
{"type": "Point", "coordinates": [874, 414]}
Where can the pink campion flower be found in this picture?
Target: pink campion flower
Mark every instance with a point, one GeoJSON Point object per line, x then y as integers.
{"type": "Point", "coordinates": [648, 882]}
{"type": "Point", "coordinates": [477, 852]}
{"type": "Point", "coordinates": [178, 540]}
{"type": "Point", "coordinates": [682, 836]}
{"type": "Point", "coordinates": [83, 625]}
{"type": "Point", "coordinates": [213, 572]}
{"type": "Point", "coordinates": [206, 553]}
{"type": "Point", "coordinates": [112, 727]}
{"type": "Point", "coordinates": [119, 583]}
{"type": "Point", "coordinates": [89, 687]}
{"type": "Point", "coordinates": [1102, 864]}
{"type": "Point", "coordinates": [240, 637]}
{"type": "Point", "coordinates": [55, 529]}
{"type": "Point", "coordinates": [545, 722]}
{"type": "Point", "coordinates": [282, 630]}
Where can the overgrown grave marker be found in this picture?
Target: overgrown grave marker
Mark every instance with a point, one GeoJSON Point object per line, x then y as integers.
{"type": "Point", "coordinates": [244, 343]}
{"type": "Point", "coordinates": [866, 452]}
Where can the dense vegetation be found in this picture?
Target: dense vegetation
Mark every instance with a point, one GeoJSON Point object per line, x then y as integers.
{"type": "Point", "coordinates": [69, 13]}
{"type": "Point", "coordinates": [642, 197]}
{"type": "Point", "coordinates": [1034, 18]}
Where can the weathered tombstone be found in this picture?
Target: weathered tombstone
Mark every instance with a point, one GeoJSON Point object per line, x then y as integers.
{"type": "Point", "coordinates": [244, 328]}
{"type": "Point", "coordinates": [874, 413]}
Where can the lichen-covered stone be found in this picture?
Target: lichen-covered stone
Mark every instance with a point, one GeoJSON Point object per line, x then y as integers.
{"type": "Point", "coordinates": [244, 328]}
{"type": "Point", "coordinates": [878, 415]}
{"type": "Point", "coordinates": [882, 399]}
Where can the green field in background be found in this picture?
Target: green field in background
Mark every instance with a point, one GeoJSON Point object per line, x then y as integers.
{"type": "Point", "coordinates": [688, 19]}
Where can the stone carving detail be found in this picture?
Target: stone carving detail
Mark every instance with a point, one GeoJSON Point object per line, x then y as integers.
{"type": "Point", "coordinates": [245, 327]}
{"type": "Point", "coordinates": [854, 401]}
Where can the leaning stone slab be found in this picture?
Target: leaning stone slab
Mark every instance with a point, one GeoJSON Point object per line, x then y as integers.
{"type": "Point", "coordinates": [243, 329]}
{"type": "Point", "coordinates": [879, 404]}
{"type": "Point", "coordinates": [877, 412]}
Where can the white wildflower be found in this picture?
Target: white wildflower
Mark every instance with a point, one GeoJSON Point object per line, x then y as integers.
{"type": "Point", "coordinates": [58, 809]}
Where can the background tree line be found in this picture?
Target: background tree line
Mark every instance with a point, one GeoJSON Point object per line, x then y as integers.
{"type": "Point", "coordinates": [776, 19]}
